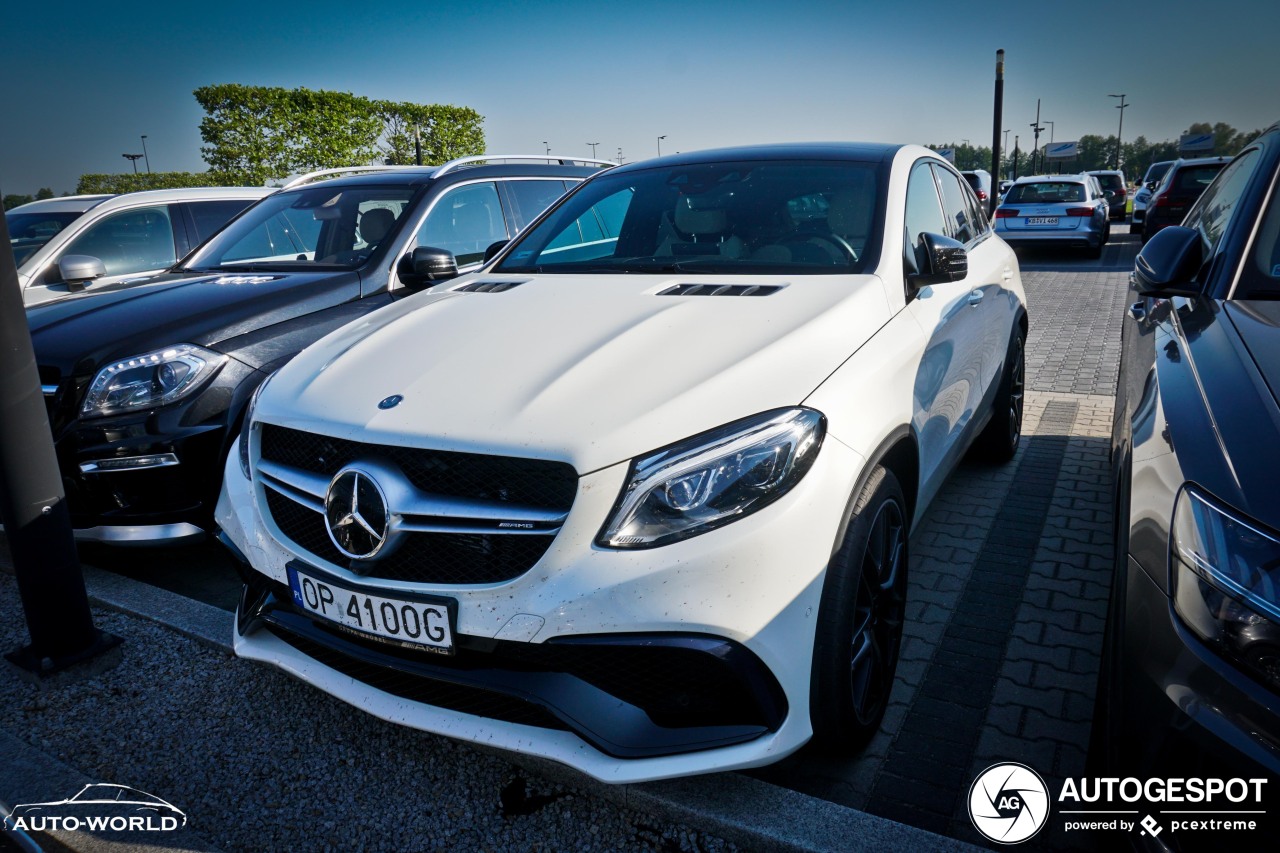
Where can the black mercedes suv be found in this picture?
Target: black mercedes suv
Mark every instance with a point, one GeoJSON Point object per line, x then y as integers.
{"type": "Point", "coordinates": [146, 386]}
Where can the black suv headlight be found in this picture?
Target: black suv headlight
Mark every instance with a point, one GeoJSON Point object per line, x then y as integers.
{"type": "Point", "coordinates": [1225, 574]}
{"type": "Point", "coordinates": [149, 380]}
{"type": "Point", "coordinates": [714, 478]}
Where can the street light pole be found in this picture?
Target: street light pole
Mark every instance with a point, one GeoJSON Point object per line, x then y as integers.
{"type": "Point", "coordinates": [144, 153]}
{"type": "Point", "coordinates": [593, 149]}
{"type": "Point", "coordinates": [1119, 132]}
{"type": "Point", "coordinates": [1035, 151]}
{"type": "Point", "coordinates": [660, 138]}
{"type": "Point", "coordinates": [133, 158]}
{"type": "Point", "coordinates": [544, 142]}
{"type": "Point", "coordinates": [997, 120]}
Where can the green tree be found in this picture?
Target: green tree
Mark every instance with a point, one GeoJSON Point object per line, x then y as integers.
{"type": "Point", "coordinates": [13, 200]}
{"type": "Point", "coordinates": [127, 182]}
{"type": "Point", "coordinates": [444, 131]}
{"type": "Point", "coordinates": [43, 193]}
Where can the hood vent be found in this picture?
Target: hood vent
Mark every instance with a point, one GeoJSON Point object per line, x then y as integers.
{"type": "Point", "coordinates": [722, 290]}
{"type": "Point", "coordinates": [488, 286]}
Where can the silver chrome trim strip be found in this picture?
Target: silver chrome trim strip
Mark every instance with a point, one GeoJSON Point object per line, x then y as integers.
{"type": "Point", "coordinates": [164, 460]}
{"type": "Point", "coordinates": [142, 534]}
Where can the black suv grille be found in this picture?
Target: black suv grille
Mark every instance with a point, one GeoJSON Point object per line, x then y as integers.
{"type": "Point", "coordinates": [529, 482]}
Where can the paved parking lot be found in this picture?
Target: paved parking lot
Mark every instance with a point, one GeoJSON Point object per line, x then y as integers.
{"type": "Point", "coordinates": [1010, 573]}
{"type": "Point", "coordinates": [1008, 590]}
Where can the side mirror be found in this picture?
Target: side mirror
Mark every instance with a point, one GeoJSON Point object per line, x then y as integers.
{"type": "Point", "coordinates": [1168, 264]}
{"type": "Point", "coordinates": [494, 249]}
{"type": "Point", "coordinates": [1110, 194]}
{"type": "Point", "coordinates": [427, 265]}
{"type": "Point", "coordinates": [943, 260]}
{"type": "Point", "coordinates": [78, 270]}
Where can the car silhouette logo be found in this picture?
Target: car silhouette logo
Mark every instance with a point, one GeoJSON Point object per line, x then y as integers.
{"type": "Point", "coordinates": [355, 511]}
{"type": "Point", "coordinates": [98, 807]}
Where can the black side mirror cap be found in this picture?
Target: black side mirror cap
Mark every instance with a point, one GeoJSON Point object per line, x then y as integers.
{"type": "Point", "coordinates": [427, 265]}
{"type": "Point", "coordinates": [1168, 263]}
{"type": "Point", "coordinates": [494, 248]}
{"type": "Point", "coordinates": [78, 270]}
{"type": "Point", "coordinates": [944, 260]}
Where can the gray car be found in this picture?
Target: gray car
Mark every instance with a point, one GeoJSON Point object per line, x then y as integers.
{"type": "Point", "coordinates": [1069, 211]}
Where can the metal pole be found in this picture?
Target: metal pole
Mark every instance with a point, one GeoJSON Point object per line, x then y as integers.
{"type": "Point", "coordinates": [593, 149]}
{"type": "Point", "coordinates": [1120, 132]}
{"type": "Point", "coordinates": [660, 138]}
{"type": "Point", "coordinates": [997, 120]}
{"type": "Point", "coordinates": [1015, 156]}
{"type": "Point", "coordinates": [33, 505]}
{"type": "Point", "coordinates": [1035, 150]}
{"type": "Point", "coordinates": [417, 146]}
{"type": "Point", "coordinates": [144, 153]}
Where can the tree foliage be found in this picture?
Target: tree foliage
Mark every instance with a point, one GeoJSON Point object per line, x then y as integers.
{"type": "Point", "coordinates": [253, 134]}
{"type": "Point", "coordinates": [128, 182]}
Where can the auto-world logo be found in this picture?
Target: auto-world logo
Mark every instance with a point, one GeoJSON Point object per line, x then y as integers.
{"type": "Point", "coordinates": [1009, 803]}
{"type": "Point", "coordinates": [99, 808]}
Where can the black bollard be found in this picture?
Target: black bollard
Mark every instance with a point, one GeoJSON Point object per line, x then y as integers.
{"type": "Point", "coordinates": [33, 506]}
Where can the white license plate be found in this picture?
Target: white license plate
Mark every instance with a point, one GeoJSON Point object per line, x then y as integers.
{"type": "Point", "coordinates": [420, 622]}
{"type": "Point", "coordinates": [1042, 220]}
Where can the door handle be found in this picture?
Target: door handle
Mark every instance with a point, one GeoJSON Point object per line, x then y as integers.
{"type": "Point", "coordinates": [975, 296]}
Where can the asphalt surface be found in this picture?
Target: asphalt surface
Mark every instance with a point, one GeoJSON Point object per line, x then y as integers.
{"type": "Point", "coordinates": [1008, 589]}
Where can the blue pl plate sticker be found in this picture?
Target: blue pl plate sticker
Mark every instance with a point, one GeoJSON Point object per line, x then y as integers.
{"type": "Point", "coordinates": [295, 585]}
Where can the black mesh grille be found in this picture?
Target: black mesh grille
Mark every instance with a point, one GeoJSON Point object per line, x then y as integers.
{"type": "Point", "coordinates": [436, 558]}
{"type": "Point", "coordinates": [529, 482]}
{"type": "Point", "coordinates": [429, 691]}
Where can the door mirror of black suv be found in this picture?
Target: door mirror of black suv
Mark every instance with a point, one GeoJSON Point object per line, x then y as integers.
{"type": "Point", "coordinates": [79, 270]}
{"type": "Point", "coordinates": [427, 265]}
{"type": "Point", "coordinates": [1168, 264]}
{"type": "Point", "coordinates": [939, 260]}
{"type": "Point", "coordinates": [494, 249]}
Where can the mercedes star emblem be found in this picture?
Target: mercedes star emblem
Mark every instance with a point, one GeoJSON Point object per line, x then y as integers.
{"type": "Point", "coordinates": [355, 510]}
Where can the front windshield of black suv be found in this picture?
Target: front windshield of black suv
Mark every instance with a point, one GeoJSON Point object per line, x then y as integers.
{"type": "Point", "coordinates": [747, 217]}
{"type": "Point", "coordinates": [318, 227]}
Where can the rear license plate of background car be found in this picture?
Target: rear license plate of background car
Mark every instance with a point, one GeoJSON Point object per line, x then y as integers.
{"type": "Point", "coordinates": [420, 623]}
{"type": "Point", "coordinates": [1042, 220]}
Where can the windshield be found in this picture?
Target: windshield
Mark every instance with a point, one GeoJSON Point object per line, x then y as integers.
{"type": "Point", "coordinates": [29, 231]}
{"type": "Point", "coordinates": [314, 228]}
{"type": "Point", "coordinates": [1156, 172]}
{"type": "Point", "coordinates": [1045, 193]}
{"type": "Point", "coordinates": [804, 218]}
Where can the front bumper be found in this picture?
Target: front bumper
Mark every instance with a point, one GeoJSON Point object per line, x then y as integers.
{"type": "Point", "coordinates": [750, 590]}
{"type": "Point", "coordinates": [152, 503]}
{"type": "Point", "coordinates": [1184, 710]}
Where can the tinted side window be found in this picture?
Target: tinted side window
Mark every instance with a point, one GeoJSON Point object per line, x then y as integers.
{"type": "Point", "coordinates": [955, 207]}
{"type": "Point", "coordinates": [465, 221]}
{"type": "Point", "coordinates": [923, 214]}
{"type": "Point", "coordinates": [1214, 209]}
{"type": "Point", "coordinates": [531, 197]}
{"type": "Point", "coordinates": [129, 241]}
{"type": "Point", "coordinates": [209, 216]}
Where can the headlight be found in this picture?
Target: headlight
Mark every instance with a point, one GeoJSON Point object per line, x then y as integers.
{"type": "Point", "coordinates": [245, 428]}
{"type": "Point", "coordinates": [712, 479]}
{"type": "Point", "coordinates": [1225, 572]}
{"type": "Point", "coordinates": [154, 379]}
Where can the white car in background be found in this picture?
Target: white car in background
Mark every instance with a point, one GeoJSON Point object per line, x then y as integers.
{"type": "Point", "coordinates": [637, 495]}
{"type": "Point", "coordinates": [56, 241]}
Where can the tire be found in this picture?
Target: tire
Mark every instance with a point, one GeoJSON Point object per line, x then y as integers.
{"type": "Point", "coordinates": [998, 441]}
{"type": "Point", "coordinates": [859, 630]}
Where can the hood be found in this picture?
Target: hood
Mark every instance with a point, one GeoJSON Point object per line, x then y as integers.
{"type": "Point", "coordinates": [590, 370]}
{"type": "Point", "coordinates": [77, 334]}
{"type": "Point", "coordinates": [1258, 323]}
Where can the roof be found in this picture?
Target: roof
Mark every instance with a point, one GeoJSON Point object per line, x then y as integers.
{"type": "Point", "coordinates": [1074, 178]}
{"type": "Point", "coordinates": [64, 204]}
{"type": "Point", "coordinates": [415, 176]}
{"type": "Point", "coordinates": [865, 152]}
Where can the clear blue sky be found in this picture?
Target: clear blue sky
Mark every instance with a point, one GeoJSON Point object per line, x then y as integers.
{"type": "Point", "coordinates": [86, 80]}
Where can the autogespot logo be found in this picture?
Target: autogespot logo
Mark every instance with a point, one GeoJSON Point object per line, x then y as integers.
{"type": "Point", "coordinates": [1009, 803]}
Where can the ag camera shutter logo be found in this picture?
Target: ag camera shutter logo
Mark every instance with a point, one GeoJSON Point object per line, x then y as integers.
{"type": "Point", "coordinates": [1009, 803]}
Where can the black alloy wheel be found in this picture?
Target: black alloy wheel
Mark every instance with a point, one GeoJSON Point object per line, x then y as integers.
{"type": "Point", "coordinates": [859, 634]}
{"type": "Point", "coordinates": [998, 441]}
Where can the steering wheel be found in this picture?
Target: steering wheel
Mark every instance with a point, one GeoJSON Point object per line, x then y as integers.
{"type": "Point", "coordinates": [828, 242]}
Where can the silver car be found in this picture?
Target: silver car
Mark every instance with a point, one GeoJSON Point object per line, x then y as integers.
{"type": "Point", "coordinates": [1055, 210]}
